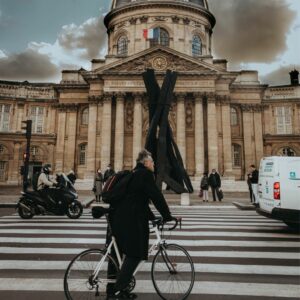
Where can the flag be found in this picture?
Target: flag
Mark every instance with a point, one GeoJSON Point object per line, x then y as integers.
{"type": "Point", "coordinates": [151, 33]}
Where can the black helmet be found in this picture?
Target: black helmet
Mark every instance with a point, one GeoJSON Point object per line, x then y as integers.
{"type": "Point", "coordinates": [47, 168]}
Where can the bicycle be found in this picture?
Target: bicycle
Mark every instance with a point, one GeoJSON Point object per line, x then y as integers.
{"type": "Point", "coordinates": [172, 270]}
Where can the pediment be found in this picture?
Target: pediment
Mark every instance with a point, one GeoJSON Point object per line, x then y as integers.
{"type": "Point", "coordinates": [160, 59]}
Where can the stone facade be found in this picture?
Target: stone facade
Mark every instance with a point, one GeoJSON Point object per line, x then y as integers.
{"type": "Point", "coordinates": [221, 119]}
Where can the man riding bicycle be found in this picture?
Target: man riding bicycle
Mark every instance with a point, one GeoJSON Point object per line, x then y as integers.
{"type": "Point", "coordinates": [130, 222]}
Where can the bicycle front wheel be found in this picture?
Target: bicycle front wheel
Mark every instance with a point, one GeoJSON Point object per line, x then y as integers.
{"type": "Point", "coordinates": [80, 281]}
{"type": "Point", "coordinates": [173, 272]}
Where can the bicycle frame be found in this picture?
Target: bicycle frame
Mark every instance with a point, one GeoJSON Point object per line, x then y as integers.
{"type": "Point", "coordinates": [113, 244]}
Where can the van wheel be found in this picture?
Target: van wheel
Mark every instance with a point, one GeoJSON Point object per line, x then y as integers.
{"type": "Point", "coordinates": [294, 226]}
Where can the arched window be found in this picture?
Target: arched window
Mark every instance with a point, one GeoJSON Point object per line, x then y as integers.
{"type": "Point", "coordinates": [82, 154]}
{"type": "Point", "coordinates": [122, 46]}
{"type": "Point", "coordinates": [233, 116]}
{"type": "Point", "coordinates": [34, 150]}
{"type": "Point", "coordinates": [4, 117]}
{"type": "Point", "coordinates": [2, 149]}
{"type": "Point", "coordinates": [287, 151]}
{"type": "Point", "coordinates": [196, 46]}
{"type": "Point", "coordinates": [160, 37]}
{"type": "Point", "coordinates": [3, 170]}
{"type": "Point", "coordinates": [236, 155]}
{"type": "Point", "coordinates": [85, 117]}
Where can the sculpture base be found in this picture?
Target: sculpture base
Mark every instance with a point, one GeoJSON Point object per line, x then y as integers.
{"type": "Point", "coordinates": [185, 199]}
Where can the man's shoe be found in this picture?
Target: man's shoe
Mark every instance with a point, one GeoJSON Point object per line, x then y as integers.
{"type": "Point", "coordinates": [123, 295]}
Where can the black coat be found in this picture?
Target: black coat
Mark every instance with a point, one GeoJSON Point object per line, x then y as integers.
{"type": "Point", "coordinates": [254, 177]}
{"type": "Point", "coordinates": [108, 173]}
{"type": "Point", "coordinates": [130, 220]}
{"type": "Point", "coordinates": [214, 180]}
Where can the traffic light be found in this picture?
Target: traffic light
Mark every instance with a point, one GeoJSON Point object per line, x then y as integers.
{"type": "Point", "coordinates": [27, 128]}
{"type": "Point", "coordinates": [22, 170]}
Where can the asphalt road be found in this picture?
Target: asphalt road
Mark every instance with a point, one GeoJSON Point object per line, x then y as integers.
{"type": "Point", "coordinates": [237, 254]}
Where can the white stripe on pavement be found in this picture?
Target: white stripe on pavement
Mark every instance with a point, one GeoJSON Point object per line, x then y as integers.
{"type": "Point", "coordinates": [98, 225]}
{"type": "Point", "coordinates": [146, 286]}
{"type": "Point", "coordinates": [174, 233]}
{"type": "Point", "coordinates": [201, 268]}
{"type": "Point", "coordinates": [101, 241]}
{"type": "Point", "coordinates": [220, 254]}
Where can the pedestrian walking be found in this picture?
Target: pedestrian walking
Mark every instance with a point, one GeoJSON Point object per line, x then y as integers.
{"type": "Point", "coordinates": [98, 182]}
{"type": "Point", "coordinates": [214, 181]}
{"type": "Point", "coordinates": [108, 172]}
{"type": "Point", "coordinates": [253, 176]}
{"type": "Point", "coordinates": [249, 185]}
{"type": "Point", "coordinates": [204, 187]}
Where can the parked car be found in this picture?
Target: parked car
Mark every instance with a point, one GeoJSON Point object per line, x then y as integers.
{"type": "Point", "coordinates": [279, 189]}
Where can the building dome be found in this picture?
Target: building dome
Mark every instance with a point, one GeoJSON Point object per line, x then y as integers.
{"type": "Point", "coordinates": [119, 3]}
{"type": "Point", "coordinates": [136, 25]}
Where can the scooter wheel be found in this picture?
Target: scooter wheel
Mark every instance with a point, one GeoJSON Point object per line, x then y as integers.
{"type": "Point", "coordinates": [23, 212]}
{"type": "Point", "coordinates": [74, 210]}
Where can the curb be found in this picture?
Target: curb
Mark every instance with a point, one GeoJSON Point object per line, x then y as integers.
{"type": "Point", "coordinates": [242, 206]}
{"type": "Point", "coordinates": [8, 205]}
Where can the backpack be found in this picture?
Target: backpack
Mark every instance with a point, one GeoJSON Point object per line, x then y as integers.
{"type": "Point", "coordinates": [115, 187]}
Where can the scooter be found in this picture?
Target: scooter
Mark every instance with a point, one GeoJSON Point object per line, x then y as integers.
{"type": "Point", "coordinates": [58, 201]}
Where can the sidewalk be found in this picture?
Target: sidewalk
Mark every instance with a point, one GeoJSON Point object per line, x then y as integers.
{"type": "Point", "coordinates": [11, 195]}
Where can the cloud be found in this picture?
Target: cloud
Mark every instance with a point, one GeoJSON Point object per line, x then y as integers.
{"type": "Point", "coordinates": [28, 65]}
{"type": "Point", "coordinates": [251, 30]}
{"type": "Point", "coordinates": [280, 76]}
{"type": "Point", "coordinates": [74, 48]}
{"type": "Point", "coordinates": [90, 37]}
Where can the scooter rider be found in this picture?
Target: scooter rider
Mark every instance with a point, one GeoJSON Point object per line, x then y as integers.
{"type": "Point", "coordinates": [44, 180]}
{"type": "Point", "coordinates": [44, 183]}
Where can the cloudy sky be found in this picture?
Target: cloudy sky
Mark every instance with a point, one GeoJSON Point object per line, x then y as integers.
{"type": "Point", "coordinates": [39, 38]}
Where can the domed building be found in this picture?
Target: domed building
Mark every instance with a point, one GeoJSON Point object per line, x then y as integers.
{"type": "Point", "coordinates": [221, 119]}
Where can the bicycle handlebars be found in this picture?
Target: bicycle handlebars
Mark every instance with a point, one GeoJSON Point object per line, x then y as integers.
{"type": "Point", "coordinates": [159, 222]}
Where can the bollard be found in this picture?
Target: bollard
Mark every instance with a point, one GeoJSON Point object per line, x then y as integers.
{"type": "Point", "coordinates": [185, 199]}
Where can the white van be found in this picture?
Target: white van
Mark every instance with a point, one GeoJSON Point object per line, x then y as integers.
{"type": "Point", "coordinates": [279, 189]}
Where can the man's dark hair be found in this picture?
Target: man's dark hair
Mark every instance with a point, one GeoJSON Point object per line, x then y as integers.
{"type": "Point", "coordinates": [252, 166]}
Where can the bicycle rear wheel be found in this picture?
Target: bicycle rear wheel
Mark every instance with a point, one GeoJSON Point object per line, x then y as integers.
{"type": "Point", "coordinates": [173, 272]}
{"type": "Point", "coordinates": [79, 281]}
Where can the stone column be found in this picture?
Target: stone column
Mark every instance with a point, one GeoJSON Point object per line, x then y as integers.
{"type": "Point", "coordinates": [296, 119]}
{"type": "Point", "coordinates": [106, 131]}
{"type": "Point", "coordinates": [91, 147]}
{"type": "Point", "coordinates": [119, 133]}
{"type": "Point", "coordinates": [247, 133]}
{"type": "Point", "coordinates": [180, 127]}
{"type": "Point", "coordinates": [71, 143]}
{"type": "Point", "coordinates": [199, 135]}
{"type": "Point", "coordinates": [14, 121]}
{"type": "Point", "coordinates": [227, 142]}
{"type": "Point", "coordinates": [212, 132]}
{"type": "Point", "coordinates": [258, 131]}
{"type": "Point", "coordinates": [14, 176]}
{"type": "Point", "coordinates": [137, 127]}
{"type": "Point", "coordinates": [60, 143]}
{"type": "Point", "coordinates": [20, 115]}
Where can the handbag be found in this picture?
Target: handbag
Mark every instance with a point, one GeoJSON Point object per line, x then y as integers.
{"type": "Point", "coordinates": [220, 194]}
{"type": "Point", "coordinates": [200, 193]}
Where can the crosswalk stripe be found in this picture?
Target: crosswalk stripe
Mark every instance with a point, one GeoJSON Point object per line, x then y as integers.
{"type": "Point", "coordinates": [174, 233]}
{"type": "Point", "coordinates": [202, 268]}
{"type": "Point", "coordinates": [145, 286]}
{"type": "Point", "coordinates": [234, 254]}
{"type": "Point", "coordinates": [101, 241]}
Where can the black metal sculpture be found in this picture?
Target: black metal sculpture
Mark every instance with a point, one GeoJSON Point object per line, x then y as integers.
{"type": "Point", "coordinates": [160, 141]}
